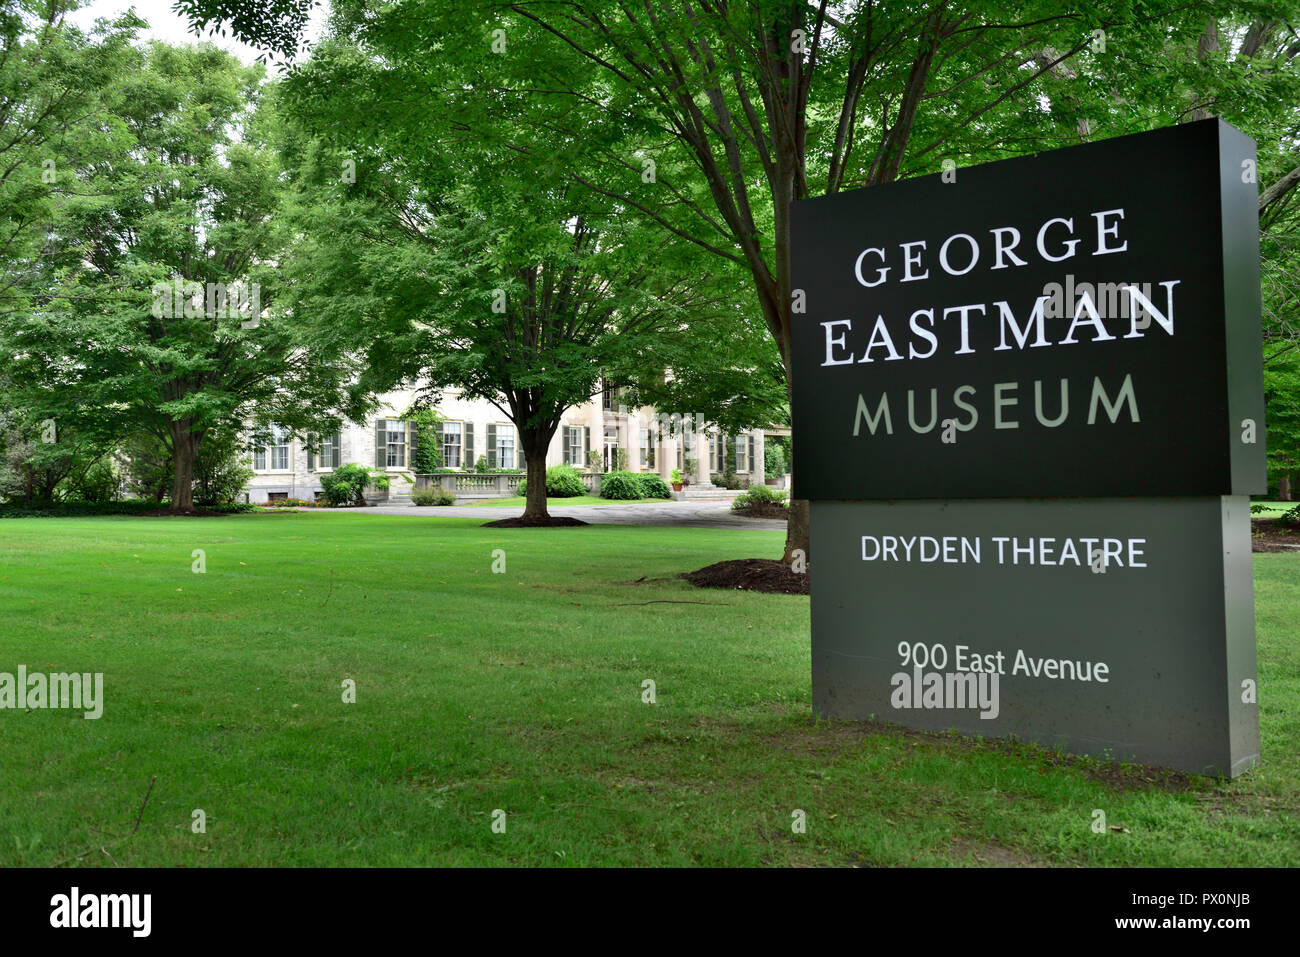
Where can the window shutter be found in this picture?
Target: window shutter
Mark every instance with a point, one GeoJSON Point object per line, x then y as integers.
{"type": "Point", "coordinates": [469, 445]}
{"type": "Point", "coordinates": [521, 463]}
{"type": "Point", "coordinates": [586, 443]}
{"type": "Point", "coordinates": [751, 454]}
{"type": "Point", "coordinates": [381, 444]}
{"type": "Point", "coordinates": [410, 445]}
{"type": "Point", "coordinates": [492, 445]}
{"type": "Point", "coordinates": [311, 456]}
{"type": "Point", "coordinates": [564, 435]}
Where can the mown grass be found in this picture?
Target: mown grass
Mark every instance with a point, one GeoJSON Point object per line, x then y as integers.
{"type": "Point", "coordinates": [523, 692]}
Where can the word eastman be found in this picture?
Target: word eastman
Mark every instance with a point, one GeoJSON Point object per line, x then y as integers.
{"type": "Point", "coordinates": [1051, 405]}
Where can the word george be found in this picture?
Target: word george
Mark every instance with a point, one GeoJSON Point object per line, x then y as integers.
{"type": "Point", "coordinates": [1005, 241]}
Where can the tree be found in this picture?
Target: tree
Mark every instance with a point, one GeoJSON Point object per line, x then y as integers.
{"type": "Point", "coordinates": [54, 128]}
{"type": "Point", "coordinates": [519, 294]}
{"type": "Point", "coordinates": [754, 105]}
{"type": "Point", "coordinates": [160, 312]}
{"type": "Point", "coordinates": [746, 106]}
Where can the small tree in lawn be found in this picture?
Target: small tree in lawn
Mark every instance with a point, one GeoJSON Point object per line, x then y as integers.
{"type": "Point", "coordinates": [532, 313]}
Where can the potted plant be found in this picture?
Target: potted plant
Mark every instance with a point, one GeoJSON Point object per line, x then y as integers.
{"type": "Point", "coordinates": [677, 480]}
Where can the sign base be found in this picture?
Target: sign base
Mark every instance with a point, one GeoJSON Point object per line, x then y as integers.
{"type": "Point", "coordinates": [1118, 628]}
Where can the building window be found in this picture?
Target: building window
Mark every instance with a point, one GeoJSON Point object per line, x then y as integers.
{"type": "Point", "coordinates": [575, 446]}
{"type": "Point", "coordinates": [330, 454]}
{"type": "Point", "coordinates": [451, 444]}
{"type": "Point", "coordinates": [647, 448]}
{"type": "Point", "coordinates": [390, 434]}
{"type": "Point", "coordinates": [505, 452]}
{"type": "Point", "coordinates": [608, 396]}
{"type": "Point", "coordinates": [274, 456]}
{"type": "Point", "coordinates": [742, 454]}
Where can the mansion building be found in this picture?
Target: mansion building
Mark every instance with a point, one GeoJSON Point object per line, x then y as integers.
{"type": "Point", "coordinates": [639, 439]}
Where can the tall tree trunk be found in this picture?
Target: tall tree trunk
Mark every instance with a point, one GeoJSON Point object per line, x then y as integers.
{"type": "Point", "coordinates": [185, 450]}
{"type": "Point", "coordinates": [1284, 487]}
{"type": "Point", "coordinates": [535, 443]}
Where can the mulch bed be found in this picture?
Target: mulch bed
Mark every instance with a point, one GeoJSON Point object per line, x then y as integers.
{"type": "Point", "coordinates": [184, 513]}
{"type": "Point", "coordinates": [750, 574]}
{"type": "Point", "coordinates": [554, 521]}
{"type": "Point", "coordinates": [1269, 535]}
{"type": "Point", "coordinates": [763, 510]}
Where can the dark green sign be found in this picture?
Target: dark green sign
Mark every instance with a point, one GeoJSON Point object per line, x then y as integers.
{"type": "Point", "coordinates": [1082, 322]}
{"type": "Point", "coordinates": [1028, 412]}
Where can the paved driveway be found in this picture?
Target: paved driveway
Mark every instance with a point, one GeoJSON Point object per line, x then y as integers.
{"type": "Point", "coordinates": [678, 514]}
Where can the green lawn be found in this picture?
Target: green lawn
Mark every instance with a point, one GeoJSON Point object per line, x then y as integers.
{"type": "Point", "coordinates": [522, 691]}
{"type": "Point", "coordinates": [517, 501]}
{"type": "Point", "coordinates": [1274, 507]}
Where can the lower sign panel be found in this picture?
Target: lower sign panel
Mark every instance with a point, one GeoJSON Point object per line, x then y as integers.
{"type": "Point", "coordinates": [1120, 628]}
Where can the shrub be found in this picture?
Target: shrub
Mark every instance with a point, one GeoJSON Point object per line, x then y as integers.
{"type": "Point", "coordinates": [652, 486]}
{"type": "Point", "coordinates": [562, 481]}
{"type": "Point", "coordinates": [347, 484]}
{"type": "Point", "coordinates": [483, 466]}
{"type": "Point", "coordinates": [221, 471]}
{"type": "Point", "coordinates": [98, 483]}
{"type": "Point", "coordinates": [620, 485]}
{"type": "Point", "coordinates": [759, 496]}
{"type": "Point", "coordinates": [434, 495]}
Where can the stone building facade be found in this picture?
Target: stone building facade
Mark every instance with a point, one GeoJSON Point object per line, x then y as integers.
{"type": "Point", "coordinates": [598, 434]}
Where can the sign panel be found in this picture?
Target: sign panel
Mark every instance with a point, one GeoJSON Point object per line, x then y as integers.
{"type": "Point", "coordinates": [1028, 413]}
{"type": "Point", "coordinates": [1122, 629]}
{"type": "Point", "coordinates": [1080, 323]}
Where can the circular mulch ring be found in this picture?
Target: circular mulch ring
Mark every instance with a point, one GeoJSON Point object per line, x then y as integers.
{"type": "Point", "coordinates": [553, 522]}
{"type": "Point", "coordinates": [750, 574]}
{"type": "Point", "coordinates": [1270, 535]}
{"type": "Point", "coordinates": [763, 511]}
